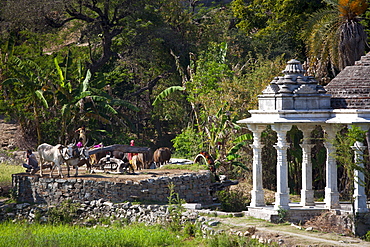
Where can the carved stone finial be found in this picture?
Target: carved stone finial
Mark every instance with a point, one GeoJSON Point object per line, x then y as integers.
{"type": "Point", "coordinates": [294, 67]}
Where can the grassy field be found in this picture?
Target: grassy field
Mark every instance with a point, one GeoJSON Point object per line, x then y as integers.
{"type": "Point", "coordinates": [65, 235]}
{"type": "Point", "coordinates": [7, 171]}
{"type": "Point", "coordinates": [16, 234]}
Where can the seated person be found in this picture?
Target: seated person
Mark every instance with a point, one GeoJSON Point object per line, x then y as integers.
{"type": "Point", "coordinates": [31, 164]}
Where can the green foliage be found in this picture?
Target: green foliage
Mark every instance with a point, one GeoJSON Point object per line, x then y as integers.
{"type": "Point", "coordinates": [6, 173]}
{"type": "Point", "coordinates": [188, 143]}
{"type": "Point", "coordinates": [234, 200]}
{"type": "Point", "coordinates": [166, 92]}
{"type": "Point", "coordinates": [282, 213]}
{"type": "Point", "coordinates": [175, 209]}
{"type": "Point", "coordinates": [16, 234]}
{"type": "Point", "coordinates": [192, 167]}
{"type": "Point", "coordinates": [294, 137]}
{"type": "Point", "coordinates": [227, 240]}
{"type": "Point", "coordinates": [346, 139]}
{"type": "Point", "coordinates": [63, 213]}
{"type": "Point", "coordinates": [274, 25]}
{"type": "Point", "coordinates": [367, 236]}
{"type": "Point", "coordinates": [334, 39]}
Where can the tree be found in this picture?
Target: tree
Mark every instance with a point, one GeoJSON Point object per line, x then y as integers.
{"type": "Point", "coordinates": [335, 37]}
{"type": "Point", "coordinates": [103, 21]}
{"type": "Point", "coordinates": [274, 25]}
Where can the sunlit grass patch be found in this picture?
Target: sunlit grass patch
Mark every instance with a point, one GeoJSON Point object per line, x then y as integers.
{"type": "Point", "coordinates": [7, 171]}
{"type": "Point", "coordinates": [191, 167]}
{"type": "Point", "coordinates": [66, 235]}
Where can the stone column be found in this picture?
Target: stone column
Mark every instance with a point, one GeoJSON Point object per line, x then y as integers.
{"type": "Point", "coordinates": [282, 193]}
{"type": "Point", "coordinates": [359, 193]}
{"type": "Point", "coordinates": [257, 194]}
{"type": "Point", "coordinates": [331, 189]}
{"type": "Point", "coordinates": [307, 198]}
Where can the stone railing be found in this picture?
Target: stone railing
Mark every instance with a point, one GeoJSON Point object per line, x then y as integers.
{"type": "Point", "coordinates": [192, 187]}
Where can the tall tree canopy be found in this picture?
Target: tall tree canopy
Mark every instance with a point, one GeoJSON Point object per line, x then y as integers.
{"type": "Point", "coordinates": [275, 24]}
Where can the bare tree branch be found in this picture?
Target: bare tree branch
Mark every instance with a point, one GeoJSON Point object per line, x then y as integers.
{"type": "Point", "coordinates": [150, 84]}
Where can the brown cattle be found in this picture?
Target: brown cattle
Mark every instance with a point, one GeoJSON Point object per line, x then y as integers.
{"type": "Point", "coordinates": [162, 156]}
{"type": "Point", "coordinates": [146, 159]}
{"type": "Point", "coordinates": [136, 163]}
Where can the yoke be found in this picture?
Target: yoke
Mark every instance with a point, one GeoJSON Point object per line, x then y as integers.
{"type": "Point", "coordinates": [119, 147]}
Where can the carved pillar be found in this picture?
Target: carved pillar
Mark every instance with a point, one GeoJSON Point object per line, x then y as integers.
{"type": "Point", "coordinates": [257, 194]}
{"type": "Point", "coordinates": [359, 193]}
{"type": "Point", "coordinates": [307, 195]}
{"type": "Point", "coordinates": [331, 189]}
{"type": "Point", "coordinates": [282, 193]}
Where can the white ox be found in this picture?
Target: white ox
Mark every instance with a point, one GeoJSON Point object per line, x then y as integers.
{"type": "Point", "coordinates": [60, 154]}
{"type": "Point", "coordinates": [54, 154]}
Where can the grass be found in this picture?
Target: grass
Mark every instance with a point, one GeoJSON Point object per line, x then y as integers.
{"type": "Point", "coordinates": [64, 235]}
{"type": "Point", "coordinates": [7, 171]}
{"type": "Point", "coordinates": [191, 167]}
{"type": "Point", "coordinates": [17, 234]}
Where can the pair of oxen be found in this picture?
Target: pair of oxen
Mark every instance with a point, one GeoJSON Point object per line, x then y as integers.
{"type": "Point", "coordinates": [75, 157]}
{"type": "Point", "coordinates": [60, 154]}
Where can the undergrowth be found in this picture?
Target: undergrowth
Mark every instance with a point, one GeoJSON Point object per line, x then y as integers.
{"type": "Point", "coordinates": [192, 167]}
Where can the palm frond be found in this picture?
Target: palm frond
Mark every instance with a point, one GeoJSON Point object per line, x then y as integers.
{"type": "Point", "coordinates": [125, 104]}
{"type": "Point", "coordinates": [160, 97]}
{"type": "Point", "coordinates": [83, 95]}
{"type": "Point", "coordinates": [333, 3]}
{"type": "Point", "coordinates": [98, 98]}
{"type": "Point", "coordinates": [243, 138]}
{"type": "Point", "coordinates": [109, 109]}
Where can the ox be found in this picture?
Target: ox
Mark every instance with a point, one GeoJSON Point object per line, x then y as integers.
{"type": "Point", "coordinates": [77, 157]}
{"type": "Point", "coordinates": [161, 156]}
{"type": "Point", "coordinates": [143, 160]}
{"type": "Point", "coordinates": [54, 154]}
{"type": "Point", "coordinates": [146, 158]}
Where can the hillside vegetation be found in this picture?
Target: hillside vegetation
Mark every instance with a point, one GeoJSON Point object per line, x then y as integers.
{"type": "Point", "coordinates": [173, 73]}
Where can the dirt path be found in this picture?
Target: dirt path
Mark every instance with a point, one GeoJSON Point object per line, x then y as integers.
{"type": "Point", "coordinates": [288, 235]}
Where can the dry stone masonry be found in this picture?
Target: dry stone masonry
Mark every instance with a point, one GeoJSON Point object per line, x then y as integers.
{"type": "Point", "coordinates": [192, 187]}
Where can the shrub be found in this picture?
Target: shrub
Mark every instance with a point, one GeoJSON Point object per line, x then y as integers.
{"type": "Point", "coordinates": [63, 213]}
{"type": "Point", "coordinates": [188, 144]}
{"type": "Point", "coordinates": [233, 200]}
{"type": "Point", "coordinates": [175, 209]}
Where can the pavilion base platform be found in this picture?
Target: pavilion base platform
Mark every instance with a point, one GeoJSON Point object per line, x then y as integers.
{"type": "Point", "coordinates": [298, 214]}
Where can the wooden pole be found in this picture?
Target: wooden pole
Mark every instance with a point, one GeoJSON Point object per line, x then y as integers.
{"type": "Point", "coordinates": [119, 147]}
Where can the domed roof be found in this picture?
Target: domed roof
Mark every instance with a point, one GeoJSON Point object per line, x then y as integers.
{"type": "Point", "coordinates": [293, 91]}
{"type": "Point", "coordinates": [350, 89]}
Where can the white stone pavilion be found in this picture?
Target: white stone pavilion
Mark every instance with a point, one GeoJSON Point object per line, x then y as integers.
{"type": "Point", "coordinates": [296, 99]}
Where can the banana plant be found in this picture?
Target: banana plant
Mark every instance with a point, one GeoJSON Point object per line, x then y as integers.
{"type": "Point", "coordinates": [24, 92]}
{"type": "Point", "coordinates": [85, 98]}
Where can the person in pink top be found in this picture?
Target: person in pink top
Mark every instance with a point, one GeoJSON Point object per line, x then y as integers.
{"type": "Point", "coordinates": [132, 143]}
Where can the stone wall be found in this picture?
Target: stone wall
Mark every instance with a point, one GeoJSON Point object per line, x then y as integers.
{"type": "Point", "coordinates": [192, 187]}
